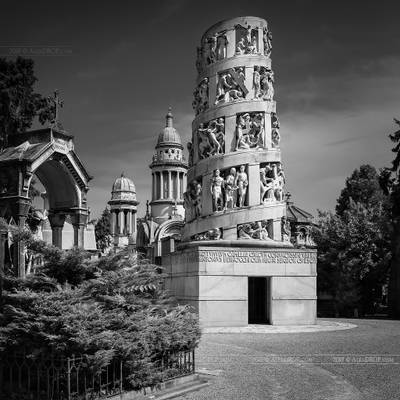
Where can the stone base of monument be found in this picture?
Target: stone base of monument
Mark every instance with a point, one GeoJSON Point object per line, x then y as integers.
{"type": "Point", "coordinates": [241, 282]}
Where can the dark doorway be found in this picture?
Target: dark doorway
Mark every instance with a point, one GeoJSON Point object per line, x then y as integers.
{"type": "Point", "coordinates": [258, 300]}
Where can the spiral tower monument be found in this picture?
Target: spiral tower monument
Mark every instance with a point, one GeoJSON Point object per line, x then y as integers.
{"type": "Point", "coordinates": [236, 263]}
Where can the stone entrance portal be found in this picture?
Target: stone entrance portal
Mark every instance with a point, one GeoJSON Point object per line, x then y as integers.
{"type": "Point", "coordinates": [49, 154]}
{"type": "Point", "coordinates": [258, 300]}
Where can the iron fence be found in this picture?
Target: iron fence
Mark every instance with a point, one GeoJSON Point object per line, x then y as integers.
{"type": "Point", "coordinates": [26, 377]}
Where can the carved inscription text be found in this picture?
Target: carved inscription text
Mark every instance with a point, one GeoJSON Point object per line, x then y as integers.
{"type": "Point", "coordinates": [258, 257]}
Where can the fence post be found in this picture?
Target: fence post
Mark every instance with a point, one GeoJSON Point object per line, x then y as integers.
{"type": "Point", "coordinates": [120, 376]}
{"type": "Point", "coordinates": [69, 378]}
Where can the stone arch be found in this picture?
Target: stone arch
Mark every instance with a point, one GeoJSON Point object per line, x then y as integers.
{"type": "Point", "coordinates": [168, 228]}
{"type": "Point", "coordinates": [49, 154]}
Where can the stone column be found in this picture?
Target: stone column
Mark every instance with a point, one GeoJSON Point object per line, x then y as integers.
{"type": "Point", "coordinates": [79, 219]}
{"type": "Point", "coordinates": [121, 218]}
{"type": "Point", "coordinates": [22, 208]}
{"type": "Point", "coordinates": [260, 41]}
{"type": "Point", "coordinates": [113, 223]}
{"type": "Point", "coordinates": [231, 47]}
{"type": "Point", "coordinates": [253, 190]}
{"type": "Point", "coordinates": [206, 197]}
{"type": "Point", "coordinates": [169, 185]}
{"type": "Point", "coordinates": [129, 222]}
{"type": "Point", "coordinates": [152, 186]}
{"type": "Point", "coordinates": [276, 229]}
{"type": "Point", "coordinates": [56, 220]}
{"type": "Point", "coordinates": [178, 185]}
{"type": "Point", "coordinates": [161, 185]}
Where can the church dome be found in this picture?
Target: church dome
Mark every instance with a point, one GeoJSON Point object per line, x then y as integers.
{"type": "Point", "coordinates": [123, 189]}
{"type": "Point", "coordinates": [169, 136]}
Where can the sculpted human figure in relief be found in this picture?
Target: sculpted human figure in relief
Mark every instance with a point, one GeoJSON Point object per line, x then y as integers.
{"type": "Point", "coordinates": [241, 181]}
{"type": "Point", "coordinates": [216, 190]}
{"type": "Point", "coordinates": [230, 189]}
{"type": "Point", "coordinates": [257, 82]}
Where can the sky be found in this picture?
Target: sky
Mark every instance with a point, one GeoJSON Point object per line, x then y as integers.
{"type": "Point", "coordinates": [119, 65]}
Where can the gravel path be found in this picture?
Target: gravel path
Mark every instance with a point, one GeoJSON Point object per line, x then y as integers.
{"type": "Point", "coordinates": [339, 365]}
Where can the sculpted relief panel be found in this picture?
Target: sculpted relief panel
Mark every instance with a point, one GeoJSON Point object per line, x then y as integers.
{"type": "Point", "coordinates": [211, 138]}
{"type": "Point", "coordinates": [192, 200]}
{"type": "Point", "coordinates": [230, 85]}
{"type": "Point", "coordinates": [249, 131]}
{"type": "Point", "coordinates": [263, 83]}
{"type": "Point", "coordinates": [213, 49]}
{"type": "Point", "coordinates": [272, 181]}
{"type": "Point", "coordinates": [200, 102]}
{"type": "Point", "coordinates": [229, 192]}
{"type": "Point", "coordinates": [246, 40]}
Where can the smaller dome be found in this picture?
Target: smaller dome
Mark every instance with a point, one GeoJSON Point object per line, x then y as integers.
{"type": "Point", "coordinates": [123, 189]}
{"type": "Point", "coordinates": [169, 135]}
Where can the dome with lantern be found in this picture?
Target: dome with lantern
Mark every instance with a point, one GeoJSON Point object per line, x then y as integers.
{"type": "Point", "coordinates": [169, 135]}
{"type": "Point", "coordinates": [124, 190]}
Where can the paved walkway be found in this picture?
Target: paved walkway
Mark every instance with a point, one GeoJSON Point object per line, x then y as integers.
{"type": "Point", "coordinates": [345, 364]}
{"type": "Point", "coordinates": [321, 326]}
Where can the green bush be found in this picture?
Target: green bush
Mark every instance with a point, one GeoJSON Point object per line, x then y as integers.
{"type": "Point", "coordinates": [112, 308]}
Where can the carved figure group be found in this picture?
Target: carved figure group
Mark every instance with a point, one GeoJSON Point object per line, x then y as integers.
{"type": "Point", "coordinates": [263, 83]}
{"type": "Point", "coordinates": [192, 200]}
{"type": "Point", "coordinates": [249, 131]}
{"type": "Point", "coordinates": [275, 126]}
{"type": "Point", "coordinates": [272, 181]}
{"type": "Point", "coordinates": [230, 192]}
{"type": "Point", "coordinates": [212, 234]}
{"type": "Point", "coordinates": [247, 44]}
{"type": "Point", "coordinates": [231, 85]}
{"type": "Point", "coordinates": [212, 50]}
{"type": "Point", "coordinates": [254, 230]}
{"type": "Point", "coordinates": [200, 102]}
{"type": "Point", "coordinates": [211, 138]}
{"type": "Point", "coordinates": [267, 39]}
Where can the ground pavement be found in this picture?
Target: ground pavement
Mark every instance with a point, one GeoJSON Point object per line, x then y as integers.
{"type": "Point", "coordinates": [352, 364]}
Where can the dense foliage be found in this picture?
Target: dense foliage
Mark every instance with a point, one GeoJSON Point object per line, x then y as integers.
{"type": "Point", "coordinates": [390, 183]}
{"type": "Point", "coordinates": [102, 231]}
{"type": "Point", "coordinates": [19, 103]}
{"type": "Point", "coordinates": [354, 245]}
{"type": "Point", "coordinates": [111, 308]}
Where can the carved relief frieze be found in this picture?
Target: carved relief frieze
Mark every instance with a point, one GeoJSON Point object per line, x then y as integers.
{"type": "Point", "coordinates": [246, 40]}
{"type": "Point", "coordinates": [272, 181]}
{"type": "Point", "coordinates": [263, 83]}
{"type": "Point", "coordinates": [200, 102]}
{"type": "Point", "coordinates": [211, 138]}
{"type": "Point", "coordinates": [249, 131]}
{"type": "Point", "coordinates": [193, 200]}
{"type": "Point", "coordinates": [231, 85]}
{"type": "Point", "coordinates": [254, 230]}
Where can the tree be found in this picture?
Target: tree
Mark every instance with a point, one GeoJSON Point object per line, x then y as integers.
{"type": "Point", "coordinates": [361, 187]}
{"type": "Point", "coordinates": [390, 183]}
{"type": "Point", "coordinates": [354, 245]}
{"type": "Point", "coordinates": [102, 230]}
{"type": "Point", "coordinates": [19, 103]}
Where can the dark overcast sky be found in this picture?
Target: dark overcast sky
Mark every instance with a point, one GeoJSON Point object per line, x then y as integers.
{"type": "Point", "coordinates": [337, 81]}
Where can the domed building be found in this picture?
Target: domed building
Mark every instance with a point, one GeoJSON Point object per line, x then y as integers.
{"type": "Point", "coordinates": [168, 170]}
{"type": "Point", "coordinates": [123, 207]}
{"type": "Point", "coordinates": [163, 224]}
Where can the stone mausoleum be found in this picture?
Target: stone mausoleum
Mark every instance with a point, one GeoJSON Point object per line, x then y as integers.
{"type": "Point", "coordinates": [233, 244]}
{"type": "Point", "coordinates": [236, 262]}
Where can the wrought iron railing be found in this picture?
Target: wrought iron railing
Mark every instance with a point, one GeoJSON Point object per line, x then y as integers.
{"type": "Point", "coordinates": [78, 378]}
